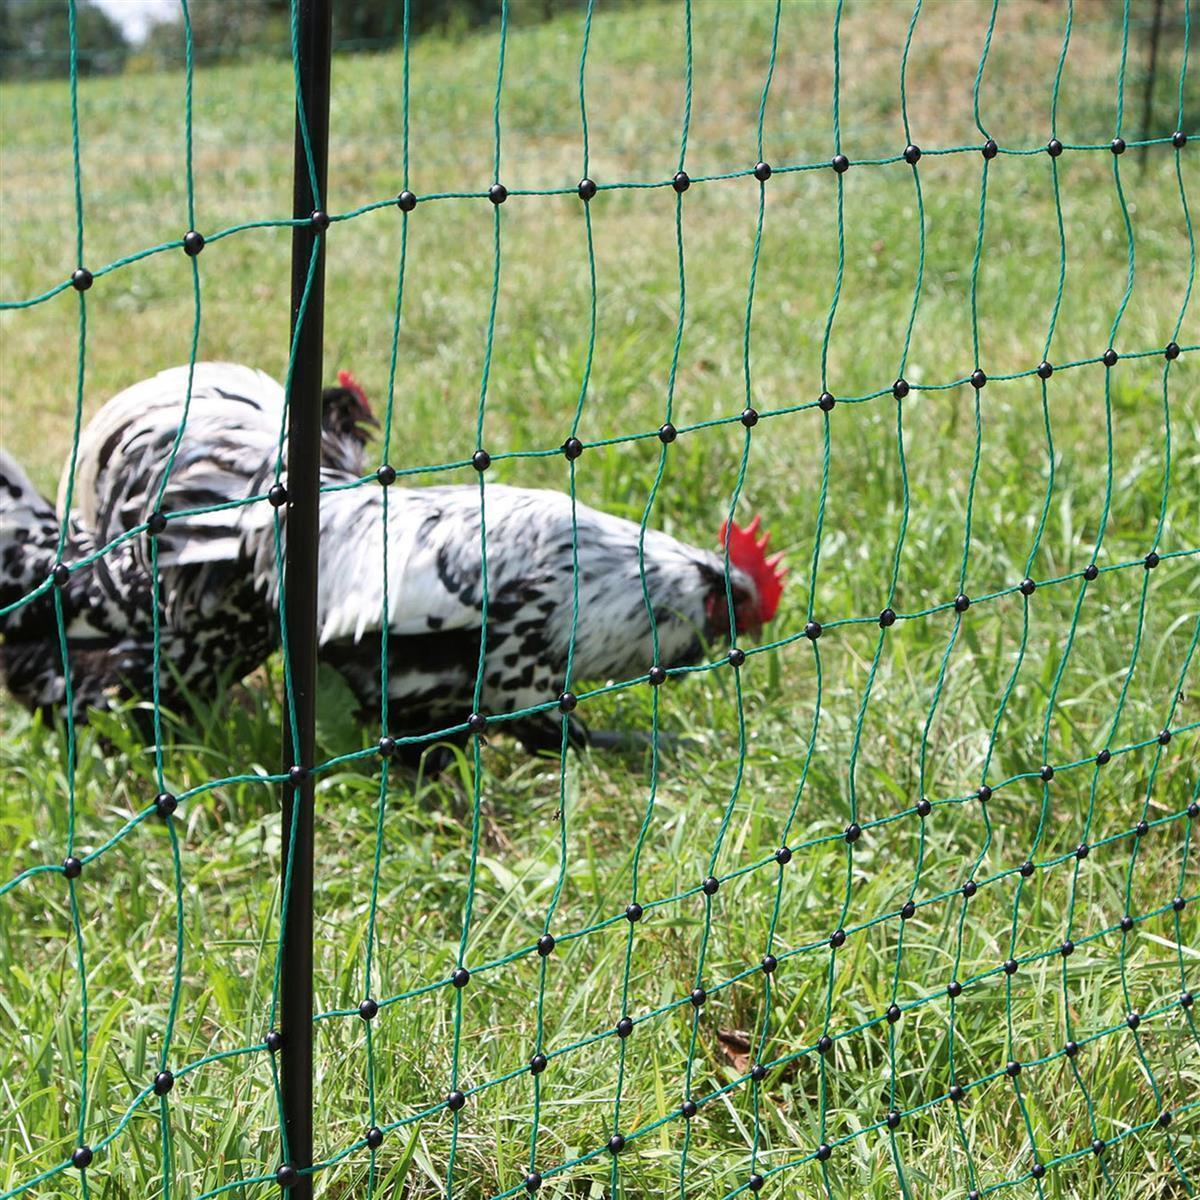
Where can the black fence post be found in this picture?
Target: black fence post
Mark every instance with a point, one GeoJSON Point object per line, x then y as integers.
{"type": "Point", "coordinates": [300, 575]}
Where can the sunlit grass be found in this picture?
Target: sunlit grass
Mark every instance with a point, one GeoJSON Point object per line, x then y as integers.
{"type": "Point", "coordinates": [223, 1116]}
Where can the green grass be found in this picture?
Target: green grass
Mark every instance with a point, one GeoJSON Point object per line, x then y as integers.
{"type": "Point", "coordinates": [223, 1116]}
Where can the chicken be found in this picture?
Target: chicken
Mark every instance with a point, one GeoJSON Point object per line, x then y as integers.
{"type": "Point", "coordinates": [435, 611]}
{"type": "Point", "coordinates": [214, 624]}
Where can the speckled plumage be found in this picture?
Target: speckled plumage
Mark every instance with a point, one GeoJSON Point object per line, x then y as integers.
{"type": "Point", "coordinates": [214, 625]}
{"type": "Point", "coordinates": [434, 609]}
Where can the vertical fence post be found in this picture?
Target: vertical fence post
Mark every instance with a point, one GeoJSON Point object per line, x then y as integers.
{"type": "Point", "coordinates": [300, 573]}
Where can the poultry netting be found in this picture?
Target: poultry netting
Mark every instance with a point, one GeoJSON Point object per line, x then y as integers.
{"type": "Point", "coordinates": [887, 1110]}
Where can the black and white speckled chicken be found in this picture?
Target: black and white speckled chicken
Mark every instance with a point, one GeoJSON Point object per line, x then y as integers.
{"type": "Point", "coordinates": [435, 612]}
{"type": "Point", "coordinates": [215, 625]}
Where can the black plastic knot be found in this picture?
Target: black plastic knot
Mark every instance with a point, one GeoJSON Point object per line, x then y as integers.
{"type": "Point", "coordinates": [374, 1137]}
{"type": "Point", "coordinates": [481, 460]}
{"type": "Point", "coordinates": [572, 448]}
{"type": "Point", "coordinates": [762, 171]}
{"type": "Point", "coordinates": [72, 868]}
{"type": "Point", "coordinates": [912, 154]}
{"type": "Point", "coordinates": [840, 163]}
{"type": "Point", "coordinates": [680, 182]}
{"type": "Point", "coordinates": [826, 402]}
{"type": "Point", "coordinates": [737, 657]}
{"type": "Point", "coordinates": [497, 193]}
{"type": "Point", "coordinates": [989, 149]}
{"type": "Point", "coordinates": [319, 220]}
{"type": "Point", "coordinates": [545, 944]}
{"type": "Point", "coordinates": [164, 1081]}
{"type": "Point", "coordinates": [1054, 147]}
{"type": "Point", "coordinates": [165, 804]}
{"type": "Point", "coordinates": [887, 618]}
{"type": "Point", "coordinates": [156, 522]}
{"type": "Point", "coordinates": [386, 475]}
{"type": "Point", "coordinates": [81, 1157]}
{"type": "Point", "coordinates": [657, 676]}
{"type": "Point", "coordinates": [586, 189]}
{"type": "Point", "coordinates": [461, 976]}
{"type": "Point", "coordinates": [368, 1009]}
{"type": "Point", "coordinates": [406, 201]}
{"type": "Point", "coordinates": [277, 497]}
{"type": "Point", "coordinates": [667, 433]}
{"type": "Point", "coordinates": [81, 279]}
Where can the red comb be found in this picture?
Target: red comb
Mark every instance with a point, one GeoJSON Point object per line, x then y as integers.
{"type": "Point", "coordinates": [346, 379]}
{"type": "Point", "coordinates": [748, 553]}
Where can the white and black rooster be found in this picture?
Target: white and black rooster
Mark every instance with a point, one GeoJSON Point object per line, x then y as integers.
{"type": "Point", "coordinates": [214, 624]}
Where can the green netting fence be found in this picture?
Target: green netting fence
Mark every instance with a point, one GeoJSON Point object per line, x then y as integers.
{"type": "Point", "coordinates": [770, 1163]}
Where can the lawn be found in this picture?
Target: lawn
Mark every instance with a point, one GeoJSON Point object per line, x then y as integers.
{"type": "Point", "coordinates": [1022, 477]}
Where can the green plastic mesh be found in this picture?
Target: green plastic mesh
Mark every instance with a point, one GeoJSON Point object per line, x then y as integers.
{"type": "Point", "coordinates": [825, 1147]}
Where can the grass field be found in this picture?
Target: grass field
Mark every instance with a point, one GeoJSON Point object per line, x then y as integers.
{"type": "Point", "coordinates": [856, 727]}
